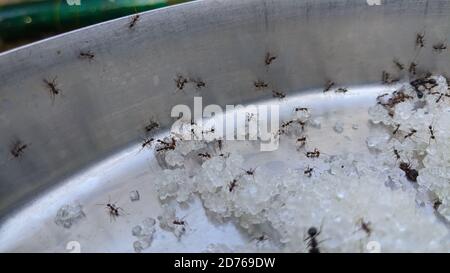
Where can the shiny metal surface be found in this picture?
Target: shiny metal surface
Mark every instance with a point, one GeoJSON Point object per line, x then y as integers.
{"type": "Point", "coordinates": [83, 145]}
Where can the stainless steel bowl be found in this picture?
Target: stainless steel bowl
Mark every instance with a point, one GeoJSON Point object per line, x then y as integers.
{"type": "Point", "coordinates": [82, 142]}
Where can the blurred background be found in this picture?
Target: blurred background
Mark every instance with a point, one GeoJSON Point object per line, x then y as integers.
{"type": "Point", "coordinates": [26, 21]}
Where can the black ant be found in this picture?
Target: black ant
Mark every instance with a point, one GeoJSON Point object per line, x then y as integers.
{"type": "Point", "coordinates": [437, 203]}
{"type": "Point", "coordinates": [250, 171]}
{"type": "Point", "coordinates": [304, 109]}
{"type": "Point", "coordinates": [52, 88]}
{"type": "Point", "coordinates": [328, 86]}
{"type": "Point", "coordinates": [204, 155]}
{"type": "Point", "coordinates": [198, 83]}
{"type": "Point", "coordinates": [313, 154]}
{"type": "Point", "coordinates": [397, 154]}
{"type": "Point", "coordinates": [113, 209]}
{"type": "Point", "coordinates": [147, 142]}
{"type": "Point", "coordinates": [387, 78]}
{"type": "Point", "coordinates": [151, 126]}
{"type": "Point", "coordinates": [220, 144]}
{"type": "Point", "coordinates": [412, 68]}
{"type": "Point", "coordinates": [365, 226]}
{"type": "Point", "coordinates": [18, 149]}
{"type": "Point", "coordinates": [166, 145]}
{"type": "Point", "coordinates": [439, 47]}
{"type": "Point", "coordinates": [396, 129]}
{"type": "Point", "coordinates": [181, 82]}
{"type": "Point", "coordinates": [341, 90]}
{"type": "Point", "coordinates": [232, 185]}
{"type": "Point", "coordinates": [430, 128]}
{"type": "Point", "coordinates": [411, 174]}
{"type": "Point", "coordinates": [399, 65]}
{"type": "Point", "coordinates": [87, 55]}
{"type": "Point", "coordinates": [179, 222]}
{"type": "Point", "coordinates": [412, 132]}
{"type": "Point", "coordinates": [308, 171]}
{"type": "Point", "coordinates": [381, 96]}
{"type": "Point", "coordinates": [420, 41]}
{"type": "Point", "coordinates": [133, 21]}
{"type": "Point", "coordinates": [269, 58]}
{"type": "Point", "coordinates": [260, 84]}
{"type": "Point", "coordinates": [313, 244]}
{"type": "Point", "coordinates": [440, 96]}
{"type": "Point", "coordinates": [279, 95]}
{"type": "Point", "coordinates": [301, 141]}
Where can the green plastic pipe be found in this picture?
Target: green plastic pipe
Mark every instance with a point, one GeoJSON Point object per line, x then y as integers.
{"type": "Point", "coordinates": [36, 19]}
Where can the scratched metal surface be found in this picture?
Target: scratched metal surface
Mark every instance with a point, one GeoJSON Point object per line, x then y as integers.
{"type": "Point", "coordinates": [83, 144]}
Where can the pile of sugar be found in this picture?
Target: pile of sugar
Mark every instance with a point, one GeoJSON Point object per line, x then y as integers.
{"type": "Point", "coordinates": [343, 194]}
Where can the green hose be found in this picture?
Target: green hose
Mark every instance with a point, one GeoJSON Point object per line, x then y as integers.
{"type": "Point", "coordinates": [37, 19]}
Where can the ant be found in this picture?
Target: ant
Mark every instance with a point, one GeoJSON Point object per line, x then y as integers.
{"type": "Point", "coordinates": [396, 153]}
{"type": "Point", "coordinates": [328, 86]}
{"type": "Point", "coordinates": [412, 68]}
{"type": "Point", "coordinates": [87, 55]}
{"type": "Point", "coordinates": [166, 145]}
{"type": "Point", "coordinates": [308, 171]}
{"type": "Point", "coordinates": [381, 96]}
{"type": "Point", "coordinates": [269, 58]}
{"type": "Point", "coordinates": [147, 142]}
{"type": "Point", "coordinates": [18, 149]}
{"type": "Point", "coordinates": [181, 82]}
{"type": "Point", "coordinates": [365, 226]}
{"type": "Point", "coordinates": [198, 83]}
{"type": "Point", "coordinates": [301, 141]}
{"type": "Point", "coordinates": [52, 88]}
{"type": "Point", "coordinates": [133, 21]}
{"type": "Point", "coordinates": [387, 78]}
{"type": "Point", "coordinates": [151, 126]}
{"type": "Point", "coordinates": [412, 132]}
{"type": "Point", "coordinates": [313, 154]}
{"type": "Point", "coordinates": [430, 128]}
{"type": "Point", "coordinates": [411, 174]}
{"type": "Point", "coordinates": [341, 90]}
{"type": "Point", "coordinates": [204, 155]}
{"type": "Point", "coordinates": [420, 41]}
{"type": "Point", "coordinates": [304, 109]}
{"type": "Point", "coordinates": [220, 144]}
{"type": "Point", "coordinates": [399, 65]}
{"type": "Point", "coordinates": [179, 222]}
{"type": "Point", "coordinates": [277, 94]}
{"type": "Point", "coordinates": [113, 209]}
{"type": "Point", "coordinates": [396, 129]}
{"type": "Point", "coordinates": [437, 203]}
{"type": "Point", "coordinates": [260, 84]}
{"type": "Point", "coordinates": [232, 185]}
{"type": "Point", "coordinates": [313, 244]}
{"type": "Point", "coordinates": [439, 47]}
{"type": "Point", "coordinates": [250, 171]}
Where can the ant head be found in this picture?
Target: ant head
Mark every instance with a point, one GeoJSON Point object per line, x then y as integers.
{"type": "Point", "coordinates": [312, 231]}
